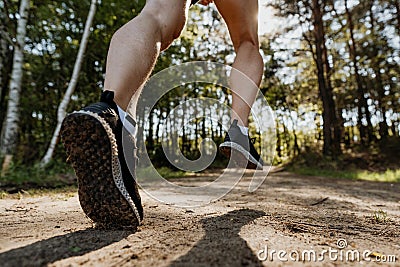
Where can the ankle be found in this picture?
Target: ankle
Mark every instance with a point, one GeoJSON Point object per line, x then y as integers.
{"type": "Point", "coordinates": [121, 102]}
{"type": "Point", "coordinates": [127, 121]}
{"type": "Point", "coordinates": [244, 129]}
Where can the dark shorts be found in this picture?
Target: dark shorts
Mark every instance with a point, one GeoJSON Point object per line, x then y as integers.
{"type": "Point", "coordinates": [194, 1]}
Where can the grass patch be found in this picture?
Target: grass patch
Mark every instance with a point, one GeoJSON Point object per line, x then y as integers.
{"type": "Point", "coordinates": [54, 175]}
{"type": "Point", "coordinates": [392, 176]}
{"type": "Point", "coordinates": [380, 216]}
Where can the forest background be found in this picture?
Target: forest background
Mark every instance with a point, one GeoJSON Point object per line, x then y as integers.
{"type": "Point", "coordinates": [331, 77]}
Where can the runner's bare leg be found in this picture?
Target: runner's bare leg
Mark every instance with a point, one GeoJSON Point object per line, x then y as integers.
{"type": "Point", "coordinates": [136, 46]}
{"type": "Point", "coordinates": [241, 17]}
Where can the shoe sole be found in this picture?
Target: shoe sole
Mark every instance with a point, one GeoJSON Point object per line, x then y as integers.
{"type": "Point", "coordinates": [92, 150]}
{"type": "Point", "coordinates": [240, 156]}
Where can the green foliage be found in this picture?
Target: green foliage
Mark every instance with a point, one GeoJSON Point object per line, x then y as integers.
{"type": "Point", "coordinates": [380, 216]}
{"type": "Point", "coordinates": [390, 176]}
{"type": "Point", "coordinates": [54, 32]}
{"type": "Point", "coordinates": [290, 82]}
{"type": "Point", "coordinates": [56, 175]}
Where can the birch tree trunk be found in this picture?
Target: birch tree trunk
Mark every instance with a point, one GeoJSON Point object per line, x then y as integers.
{"type": "Point", "coordinates": [3, 49]}
{"type": "Point", "coordinates": [10, 128]}
{"type": "Point", "coordinates": [62, 108]}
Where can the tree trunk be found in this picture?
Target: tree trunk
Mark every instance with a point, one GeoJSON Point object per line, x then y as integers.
{"type": "Point", "coordinates": [150, 137]}
{"type": "Point", "coordinates": [336, 122]}
{"type": "Point", "coordinates": [397, 5]}
{"type": "Point", "coordinates": [62, 108]}
{"type": "Point", "coordinates": [158, 127]}
{"type": "Point", "coordinates": [383, 126]}
{"type": "Point", "coordinates": [9, 134]}
{"type": "Point", "coordinates": [3, 54]}
{"type": "Point", "coordinates": [363, 111]}
{"type": "Point", "coordinates": [196, 135]}
{"type": "Point", "coordinates": [3, 80]}
{"type": "Point", "coordinates": [184, 147]}
{"type": "Point", "coordinates": [328, 112]}
{"type": "Point", "coordinates": [395, 128]}
{"type": "Point", "coordinates": [287, 148]}
{"type": "Point", "coordinates": [296, 147]}
{"type": "Point", "coordinates": [278, 141]}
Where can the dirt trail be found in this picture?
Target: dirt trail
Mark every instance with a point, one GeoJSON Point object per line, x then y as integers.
{"type": "Point", "coordinates": [289, 212]}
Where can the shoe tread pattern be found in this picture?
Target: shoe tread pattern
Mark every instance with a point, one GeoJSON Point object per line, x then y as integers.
{"type": "Point", "coordinates": [89, 150]}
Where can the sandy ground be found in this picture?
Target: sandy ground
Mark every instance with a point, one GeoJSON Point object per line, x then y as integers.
{"type": "Point", "coordinates": [287, 219]}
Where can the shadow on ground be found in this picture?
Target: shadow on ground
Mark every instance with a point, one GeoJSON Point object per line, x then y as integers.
{"type": "Point", "coordinates": [222, 245]}
{"type": "Point", "coordinates": [57, 248]}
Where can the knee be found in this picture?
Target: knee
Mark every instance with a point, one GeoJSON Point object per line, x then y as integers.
{"type": "Point", "coordinates": [169, 20]}
{"type": "Point", "coordinates": [246, 42]}
{"type": "Point", "coordinates": [250, 50]}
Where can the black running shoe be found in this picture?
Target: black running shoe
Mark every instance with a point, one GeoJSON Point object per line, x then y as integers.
{"type": "Point", "coordinates": [241, 147]}
{"type": "Point", "coordinates": [108, 193]}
